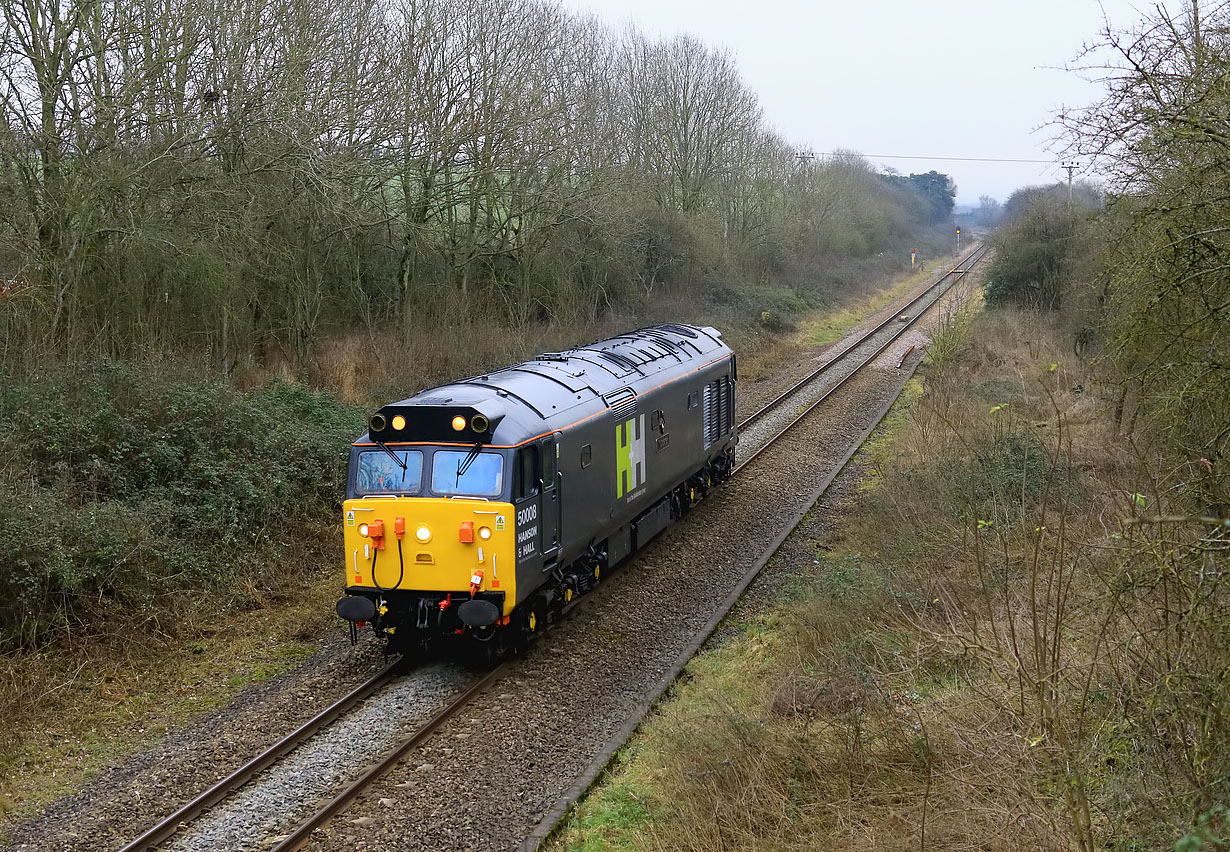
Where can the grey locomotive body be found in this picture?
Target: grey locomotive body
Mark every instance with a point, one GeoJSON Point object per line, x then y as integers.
{"type": "Point", "coordinates": [598, 449]}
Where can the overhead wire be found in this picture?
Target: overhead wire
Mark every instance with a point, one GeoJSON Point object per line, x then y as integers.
{"type": "Point", "coordinates": [912, 157]}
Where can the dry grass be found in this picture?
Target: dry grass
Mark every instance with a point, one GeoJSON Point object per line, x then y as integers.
{"type": "Point", "coordinates": [96, 698]}
{"type": "Point", "coordinates": [985, 657]}
{"type": "Point", "coordinates": [833, 325]}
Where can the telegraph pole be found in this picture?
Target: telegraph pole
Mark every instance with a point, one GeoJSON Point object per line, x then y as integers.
{"type": "Point", "coordinates": [1070, 167]}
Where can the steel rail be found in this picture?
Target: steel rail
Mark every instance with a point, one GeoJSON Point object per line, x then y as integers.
{"type": "Point", "coordinates": [169, 825]}
{"type": "Point", "coordinates": [338, 803]}
{"type": "Point", "coordinates": [972, 258]}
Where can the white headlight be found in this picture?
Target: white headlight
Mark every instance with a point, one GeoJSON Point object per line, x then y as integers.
{"type": "Point", "coordinates": [423, 534]}
{"type": "Point", "coordinates": [484, 533]}
{"type": "Point", "coordinates": [363, 530]}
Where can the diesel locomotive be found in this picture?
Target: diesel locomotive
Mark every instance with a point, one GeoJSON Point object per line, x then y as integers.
{"type": "Point", "coordinates": [480, 508]}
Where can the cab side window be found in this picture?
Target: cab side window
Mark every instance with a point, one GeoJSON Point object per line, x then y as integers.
{"type": "Point", "coordinates": [529, 471]}
{"type": "Point", "coordinates": [548, 463]}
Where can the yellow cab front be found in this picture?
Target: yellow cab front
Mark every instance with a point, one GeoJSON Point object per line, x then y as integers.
{"type": "Point", "coordinates": [429, 539]}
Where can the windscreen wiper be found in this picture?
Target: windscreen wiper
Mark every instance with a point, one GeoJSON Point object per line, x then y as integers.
{"type": "Point", "coordinates": [464, 465]}
{"type": "Point", "coordinates": [400, 462]}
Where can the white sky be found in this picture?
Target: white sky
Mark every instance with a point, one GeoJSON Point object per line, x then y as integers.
{"type": "Point", "coordinates": [936, 79]}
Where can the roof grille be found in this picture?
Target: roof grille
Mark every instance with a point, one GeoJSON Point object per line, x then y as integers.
{"type": "Point", "coordinates": [620, 359]}
{"type": "Point", "coordinates": [676, 328]}
{"type": "Point", "coordinates": [622, 402]}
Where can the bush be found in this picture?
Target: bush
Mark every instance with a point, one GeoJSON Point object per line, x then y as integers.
{"type": "Point", "coordinates": [1003, 476]}
{"type": "Point", "coordinates": [122, 483]}
{"type": "Point", "coordinates": [1037, 251]}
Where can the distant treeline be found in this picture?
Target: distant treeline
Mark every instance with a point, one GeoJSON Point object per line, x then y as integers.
{"type": "Point", "coordinates": [229, 177]}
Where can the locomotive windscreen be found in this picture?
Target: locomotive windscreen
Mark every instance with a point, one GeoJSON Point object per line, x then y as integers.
{"type": "Point", "coordinates": [399, 472]}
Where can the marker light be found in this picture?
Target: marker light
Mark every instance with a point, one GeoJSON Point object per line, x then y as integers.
{"type": "Point", "coordinates": [423, 534]}
{"type": "Point", "coordinates": [363, 530]}
{"type": "Point", "coordinates": [484, 533]}
{"type": "Point", "coordinates": [459, 423]}
{"type": "Point", "coordinates": [399, 423]}
{"type": "Point", "coordinates": [375, 531]}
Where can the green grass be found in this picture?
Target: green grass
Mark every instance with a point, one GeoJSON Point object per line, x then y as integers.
{"type": "Point", "coordinates": [822, 328]}
{"type": "Point", "coordinates": [615, 821]}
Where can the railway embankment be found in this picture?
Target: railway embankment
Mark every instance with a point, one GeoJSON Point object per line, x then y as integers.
{"type": "Point", "coordinates": [229, 667]}
{"type": "Point", "coordinates": [971, 642]}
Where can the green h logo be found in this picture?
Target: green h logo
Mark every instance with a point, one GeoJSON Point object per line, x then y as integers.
{"type": "Point", "coordinates": [629, 456]}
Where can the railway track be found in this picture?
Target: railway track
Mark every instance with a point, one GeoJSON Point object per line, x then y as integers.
{"type": "Point", "coordinates": [871, 345]}
{"type": "Point", "coordinates": [915, 308]}
{"type": "Point", "coordinates": [158, 834]}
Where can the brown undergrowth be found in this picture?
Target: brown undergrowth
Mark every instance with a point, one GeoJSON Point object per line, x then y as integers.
{"type": "Point", "coordinates": [1000, 647]}
{"type": "Point", "coordinates": [767, 327]}
{"type": "Point", "coordinates": [101, 695]}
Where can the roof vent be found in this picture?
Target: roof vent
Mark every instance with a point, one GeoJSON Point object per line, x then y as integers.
{"type": "Point", "coordinates": [676, 328]}
{"type": "Point", "coordinates": [622, 402]}
{"type": "Point", "coordinates": [622, 360]}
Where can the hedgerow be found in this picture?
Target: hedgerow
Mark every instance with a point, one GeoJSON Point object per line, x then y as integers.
{"type": "Point", "coordinates": [122, 485]}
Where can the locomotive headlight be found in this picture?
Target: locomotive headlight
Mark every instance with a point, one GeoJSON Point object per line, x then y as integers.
{"type": "Point", "coordinates": [459, 423]}
{"type": "Point", "coordinates": [363, 530]}
{"type": "Point", "coordinates": [423, 534]}
{"type": "Point", "coordinates": [484, 533]}
{"type": "Point", "coordinates": [399, 423]}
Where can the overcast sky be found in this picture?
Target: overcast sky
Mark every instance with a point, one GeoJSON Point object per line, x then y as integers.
{"type": "Point", "coordinates": [891, 77]}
